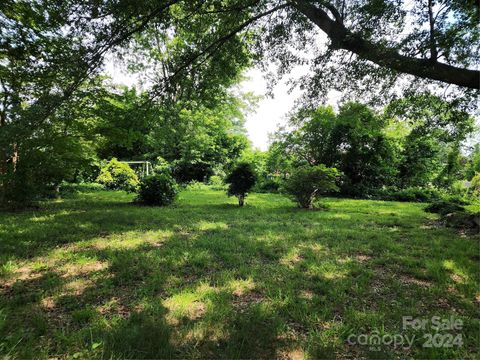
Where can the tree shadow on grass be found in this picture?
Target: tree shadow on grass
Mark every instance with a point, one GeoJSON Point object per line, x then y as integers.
{"type": "Point", "coordinates": [175, 298]}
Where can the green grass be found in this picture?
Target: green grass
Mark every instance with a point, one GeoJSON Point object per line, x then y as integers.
{"type": "Point", "coordinates": [94, 276]}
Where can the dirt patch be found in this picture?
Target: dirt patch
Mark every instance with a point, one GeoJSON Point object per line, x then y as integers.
{"type": "Point", "coordinates": [48, 303]}
{"type": "Point", "coordinates": [25, 273]}
{"type": "Point", "coordinates": [115, 306]}
{"type": "Point", "coordinates": [243, 302]}
{"type": "Point", "coordinates": [432, 224]}
{"type": "Point", "coordinates": [306, 295]}
{"type": "Point", "coordinates": [410, 280]}
{"type": "Point", "coordinates": [362, 258]}
{"type": "Point", "coordinates": [196, 310]}
{"type": "Point", "coordinates": [78, 270]}
{"type": "Point", "coordinates": [457, 278]}
{"type": "Point", "coordinates": [78, 286]}
{"type": "Point", "coordinates": [295, 354]}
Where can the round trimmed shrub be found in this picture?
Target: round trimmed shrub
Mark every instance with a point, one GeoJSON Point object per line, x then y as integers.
{"type": "Point", "coordinates": [158, 189]}
{"type": "Point", "coordinates": [241, 180]}
{"type": "Point", "coordinates": [307, 183]}
{"type": "Point", "coordinates": [118, 176]}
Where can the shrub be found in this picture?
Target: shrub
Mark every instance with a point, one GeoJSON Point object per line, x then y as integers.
{"type": "Point", "coordinates": [161, 166]}
{"type": "Point", "coordinates": [459, 188]}
{"type": "Point", "coordinates": [118, 176]}
{"type": "Point", "coordinates": [444, 207]}
{"type": "Point", "coordinates": [185, 172]}
{"type": "Point", "coordinates": [475, 185]}
{"type": "Point", "coordinates": [411, 194]}
{"type": "Point", "coordinates": [158, 189]}
{"type": "Point", "coordinates": [195, 185]}
{"type": "Point", "coordinates": [241, 180]}
{"type": "Point", "coordinates": [307, 183]}
{"type": "Point", "coordinates": [216, 182]}
{"type": "Point", "coordinates": [269, 185]}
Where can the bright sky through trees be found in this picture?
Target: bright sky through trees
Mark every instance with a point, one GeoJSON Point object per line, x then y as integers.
{"type": "Point", "coordinates": [271, 110]}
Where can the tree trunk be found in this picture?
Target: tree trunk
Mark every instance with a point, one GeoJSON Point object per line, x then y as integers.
{"type": "Point", "coordinates": [3, 155]}
{"type": "Point", "coordinates": [241, 200]}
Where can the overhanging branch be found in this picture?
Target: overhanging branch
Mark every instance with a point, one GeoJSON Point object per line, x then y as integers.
{"type": "Point", "coordinates": [381, 55]}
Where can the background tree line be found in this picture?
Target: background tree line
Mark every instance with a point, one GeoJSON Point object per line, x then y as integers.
{"type": "Point", "coordinates": [193, 52]}
{"type": "Point", "coordinates": [414, 142]}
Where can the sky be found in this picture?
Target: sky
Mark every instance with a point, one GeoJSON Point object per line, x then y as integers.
{"type": "Point", "coordinates": [271, 111]}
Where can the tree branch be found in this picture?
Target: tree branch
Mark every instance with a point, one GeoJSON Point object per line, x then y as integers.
{"type": "Point", "coordinates": [431, 20]}
{"type": "Point", "coordinates": [381, 55]}
{"type": "Point", "coordinates": [214, 46]}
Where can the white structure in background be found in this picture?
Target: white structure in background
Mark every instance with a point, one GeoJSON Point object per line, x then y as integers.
{"type": "Point", "coordinates": [142, 168]}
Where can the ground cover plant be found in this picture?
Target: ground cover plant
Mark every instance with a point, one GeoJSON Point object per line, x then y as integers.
{"type": "Point", "coordinates": [94, 276]}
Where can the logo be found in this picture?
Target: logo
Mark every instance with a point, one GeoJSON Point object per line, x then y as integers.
{"type": "Point", "coordinates": [437, 332]}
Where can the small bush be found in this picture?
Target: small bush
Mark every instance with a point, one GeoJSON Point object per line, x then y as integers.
{"type": "Point", "coordinates": [308, 183]}
{"type": "Point", "coordinates": [158, 189]}
{"type": "Point", "coordinates": [268, 186]}
{"type": "Point", "coordinates": [475, 186]}
{"type": "Point", "coordinates": [412, 194]}
{"type": "Point", "coordinates": [241, 180]}
{"type": "Point", "coordinates": [118, 176]}
{"type": "Point", "coordinates": [185, 172]}
{"type": "Point", "coordinates": [216, 182]}
{"type": "Point", "coordinates": [416, 195]}
{"type": "Point", "coordinates": [195, 185]}
{"type": "Point", "coordinates": [161, 166]}
{"type": "Point", "coordinates": [459, 188]}
{"type": "Point", "coordinates": [444, 207]}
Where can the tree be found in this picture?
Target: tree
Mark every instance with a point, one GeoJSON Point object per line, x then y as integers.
{"type": "Point", "coordinates": [352, 141]}
{"type": "Point", "coordinates": [196, 50]}
{"type": "Point", "coordinates": [200, 140]}
{"type": "Point", "coordinates": [38, 156]}
{"type": "Point", "coordinates": [436, 129]}
{"type": "Point", "coordinates": [308, 183]}
{"type": "Point", "coordinates": [364, 154]}
{"type": "Point", "coordinates": [49, 52]}
{"type": "Point", "coordinates": [124, 124]}
{"type": "Point", "coordinates": [241, 180]}
{"type": "Point", "coordinates": [360, 28]}
{"type": "Point", "coordinates": [473, 162]}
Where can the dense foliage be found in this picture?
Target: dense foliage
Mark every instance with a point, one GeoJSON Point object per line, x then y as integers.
{"type": "Point", "coordinates": [412, 146]}
{"type": "Point", "coordinates": [307, 183]}
{"type": "Point", "coordinates": [58, 119]}
{"type": "Point", "coordinates": [443, 207]}
{"type": "Point", "coordinates": [158, 189]}
{"type": "Point", "coordinates": [241, 180]}
{"type": "Point", "coordinates": [116, 175]}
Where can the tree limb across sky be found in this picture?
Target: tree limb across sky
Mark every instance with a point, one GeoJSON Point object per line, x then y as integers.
{"type": "Point", "coordinates": [343, 38]}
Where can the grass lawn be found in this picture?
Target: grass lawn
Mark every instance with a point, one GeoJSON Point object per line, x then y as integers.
{"type": "Point", "coordinates": [94, 276]}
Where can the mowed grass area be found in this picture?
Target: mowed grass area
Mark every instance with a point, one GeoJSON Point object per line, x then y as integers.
{"type": "Point", "coordinates": [97, 277]}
